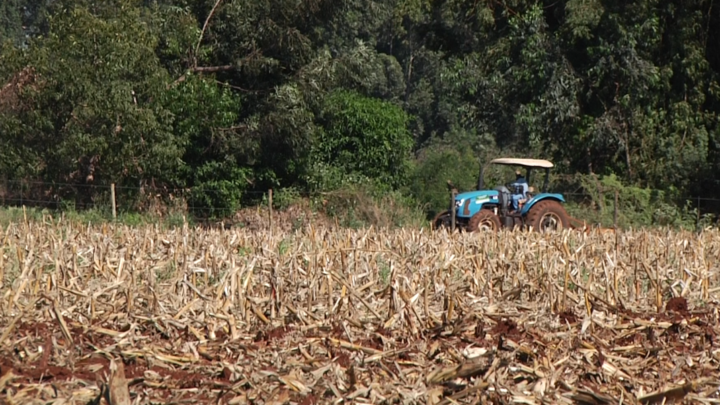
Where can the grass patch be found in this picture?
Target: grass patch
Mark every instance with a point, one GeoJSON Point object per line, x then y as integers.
{"type": "Point", "coordinates": [93, 216]}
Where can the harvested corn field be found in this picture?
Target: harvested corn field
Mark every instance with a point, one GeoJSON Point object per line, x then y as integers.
{"type": "Point", "coordinates": [126, 315]}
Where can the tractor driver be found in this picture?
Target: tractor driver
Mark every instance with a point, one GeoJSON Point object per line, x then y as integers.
{"type": "Point", "coordinates": [521, 185]}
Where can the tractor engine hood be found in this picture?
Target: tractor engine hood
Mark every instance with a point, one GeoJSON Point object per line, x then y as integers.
{"type": "Point", "coordinates": [469, 202]}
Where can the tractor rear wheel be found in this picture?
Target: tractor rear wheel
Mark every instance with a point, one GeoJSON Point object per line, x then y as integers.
{"type": "Point", "coordinates": [484, 220]}
{"type": "Point", "coordinates": [548, 215]}
{"type": "Point", "coordinates": [442, 220]}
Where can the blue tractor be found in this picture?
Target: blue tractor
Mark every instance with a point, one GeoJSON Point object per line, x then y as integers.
{"type": "Point", "coordinates": [513, 205]}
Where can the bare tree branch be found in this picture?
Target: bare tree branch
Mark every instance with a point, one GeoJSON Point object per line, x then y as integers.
{"type": "Point", "coordinates": [176, 82]}
{"type": "Point", "coordinates": [202, 33]}
{"type": "Point", "coordinates": [233, 128]}
{"type": "Point", "coordinates": [200, 69]}
{"type": "Point", "coordinates": [211, 69]}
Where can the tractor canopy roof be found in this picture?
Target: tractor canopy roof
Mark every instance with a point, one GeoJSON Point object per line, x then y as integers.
{"type": "Point", "coordinates": [523, 162]}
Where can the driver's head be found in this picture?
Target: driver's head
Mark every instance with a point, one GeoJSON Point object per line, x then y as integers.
{"type": "Point", "coordinates": [518, 174]}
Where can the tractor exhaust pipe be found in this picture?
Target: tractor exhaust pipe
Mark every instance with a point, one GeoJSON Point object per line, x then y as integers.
{"type": "Point", "coordinates": [481, 183]}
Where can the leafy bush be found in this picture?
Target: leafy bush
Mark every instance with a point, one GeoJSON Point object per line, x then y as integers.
{"type": "Point", "coordinates": [429, 179]}
{"type": "Point", "coordinates": [362, 205]}
{"type": "Point", "coordinates": [362, 137]}
{"type": "Point", "coordinates": [218, 190]}
{"type": "Point", "coordinates": [637, 206]}
{"type": "Point", "coordinates": [285, 197]}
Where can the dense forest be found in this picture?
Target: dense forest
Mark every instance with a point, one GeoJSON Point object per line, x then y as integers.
{"type": "Point", "coordinates": [228, 98]}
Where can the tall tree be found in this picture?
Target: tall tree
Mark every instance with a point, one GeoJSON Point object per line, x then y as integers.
{"type": "Point", "coordinates": [91, 115]}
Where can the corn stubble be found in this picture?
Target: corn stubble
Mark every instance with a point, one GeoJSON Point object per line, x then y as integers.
{"type": "Point", "coordinates": [122, 315]}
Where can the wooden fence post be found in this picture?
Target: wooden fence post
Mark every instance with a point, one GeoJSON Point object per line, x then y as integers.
{"type": "Point", "coordinates": [114, 204]}
{"type": "Point", "coordinates": [452, 209]}
{"type": "Point", "coordinates": [615, 211]}
{"type": "Point", "coordinates": [270, 206]}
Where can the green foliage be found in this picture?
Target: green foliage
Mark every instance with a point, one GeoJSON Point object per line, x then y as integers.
{"type": "Point", "coordinates": [91, 216]}
{"type": "Point", "coordinates": [437, 166]}
{"type": "Point", "coordinates": [364, 136]}
{"type": "Point", "coordinates": [22, 19]}
{"type": "Point", "coordinates": [363, 205]}
{"type": "Point", "coordinates": [218, 189]}
{"type": "Point", "coordinates": [582, 17]}
{"type": "Point", "coordinates": [10, 20]}
{"type": "Point", "coordinates": [205, 115]}
{"type": "Point", "coordinates": [636, 206]}
{"type": "Point", "coordinates": [285, 197]}
{"type": "Point", "coordinates": [178, 31]}
{"type": "Point", "coordinates": [92, 114]}
{"type": "Point", "coordinates": [326, 177]}
{"type": "Point", "coordinates": [312, 96]}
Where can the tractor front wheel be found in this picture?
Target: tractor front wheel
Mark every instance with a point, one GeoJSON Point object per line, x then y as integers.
{"type": "Point", "coordinates": [484, 220]}
{"type": "Point", "coordinates": [548, 215]}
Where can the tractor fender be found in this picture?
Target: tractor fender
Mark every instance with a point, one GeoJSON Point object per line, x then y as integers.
{"type": "Point", "coordinates": [541, 197]}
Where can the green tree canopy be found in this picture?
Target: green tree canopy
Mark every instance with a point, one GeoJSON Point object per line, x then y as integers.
{"type": "Point", "coordinates": [231, 97]}
{"type": "Point", "coordinates": [364, 136]}
{"type": "Point", "coordinates": [89, 113]}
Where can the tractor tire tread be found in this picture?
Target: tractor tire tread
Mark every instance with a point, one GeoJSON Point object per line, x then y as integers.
{"type": "Point", "coordinates": [541, 208]}
{"type": "Point", "coordinates": [482, 215]}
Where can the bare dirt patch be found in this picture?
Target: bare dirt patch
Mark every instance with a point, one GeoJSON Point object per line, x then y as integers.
{"type": "Point", "coordinates": [507, 328]}
{"type": "Point", "coordinates": [568, 316]}
{"type": "Point", "coordinates": [678, 305]}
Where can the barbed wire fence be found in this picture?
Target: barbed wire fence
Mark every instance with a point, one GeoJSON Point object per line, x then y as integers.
{"type": "Point", "coordinates": [113, 200]}
{"type": "Point", "coordinates": [605, 208]}
{"type": "Point", "coordinates": [609, 209]}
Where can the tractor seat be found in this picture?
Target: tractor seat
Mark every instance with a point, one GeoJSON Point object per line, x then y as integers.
{"type": "Point", "coordinates": [530, 193]}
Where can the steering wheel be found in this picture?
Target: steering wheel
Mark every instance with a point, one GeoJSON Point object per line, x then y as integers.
{"type": "Point", "coordinates": [511, 187]}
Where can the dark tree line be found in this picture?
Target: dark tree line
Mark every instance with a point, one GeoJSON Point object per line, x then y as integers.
{"type": "Point", "coordinates": [226, 97]}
